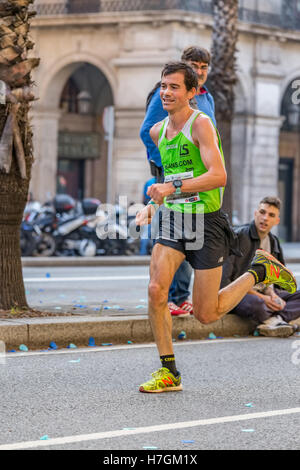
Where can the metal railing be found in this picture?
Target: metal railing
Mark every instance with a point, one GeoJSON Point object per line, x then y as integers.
{"type": "Point", "coordinates": [289, 19]}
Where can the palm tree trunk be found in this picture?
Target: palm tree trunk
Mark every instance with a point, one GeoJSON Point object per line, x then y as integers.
{"type": "Point", "coordinates": [16, 153]}
{"type": "Point", "coordinates": [223, 78]}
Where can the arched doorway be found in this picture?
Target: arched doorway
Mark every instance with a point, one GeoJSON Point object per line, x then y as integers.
{"type": "Point", "coordinates": [82, 143]}
{"type": "Point", "coordinates": [289, 164]}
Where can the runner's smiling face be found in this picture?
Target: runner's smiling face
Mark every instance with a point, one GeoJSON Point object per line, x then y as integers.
{"type": "Point", "coordinates": [173, 92]}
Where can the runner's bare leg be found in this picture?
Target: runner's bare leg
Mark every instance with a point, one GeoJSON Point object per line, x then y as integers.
{"type": "Point", "coordinates": [164, 263]}
{"type": "Point", "coordinates": [209, 302]}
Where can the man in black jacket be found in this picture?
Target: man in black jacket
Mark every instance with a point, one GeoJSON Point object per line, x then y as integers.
{"type": "Point", "coordinates": [270, 307]}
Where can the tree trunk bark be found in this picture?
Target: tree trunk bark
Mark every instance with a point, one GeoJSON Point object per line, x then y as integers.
{"type": "Point", "coordinates": [223, 78]}
{"type": "Point", "coordinates": [224, 128]}
{"type": "Point", "coordinates": [16, 153]}
{"type": "Point", "coordinates": [12, 291]}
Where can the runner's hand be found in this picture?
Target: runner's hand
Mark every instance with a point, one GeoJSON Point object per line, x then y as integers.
{"type": "Point", "coordinates": [159, 191]}
{"type": "Point", "coordinates": [144, 217]}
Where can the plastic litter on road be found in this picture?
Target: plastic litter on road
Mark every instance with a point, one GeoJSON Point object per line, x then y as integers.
{"type": "Point", "coordinates": [23, 347]}
{"type": "Point", "coordinates": [249, 405]}
{"type": "Point", "coordinates": [91, 341]}
{"type": "Point", "coordinates": [53, 345]}
{"type": "Point", "coordinates": [182, 335]}
{"type": "Point", "coordinates": [72, 346]}
{"type": "Point", "coordinates": [44, 438]}
{"type": "Point", "coordinates": [212, 336]}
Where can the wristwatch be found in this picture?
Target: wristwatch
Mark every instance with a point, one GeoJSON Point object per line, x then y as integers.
{"type": "Point", "coordinates": [177, 185]}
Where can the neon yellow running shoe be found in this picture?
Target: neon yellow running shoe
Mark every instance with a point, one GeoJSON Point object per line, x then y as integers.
{"type": "Point", "coordinates": [276, 273]}
{"type": "Point", "coordinates": [163, 381]}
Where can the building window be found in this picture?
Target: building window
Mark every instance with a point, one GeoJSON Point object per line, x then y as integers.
{"type": "Point", "coordinates": [290, 107]}
{"type": "Point", "coordinates": [69, 101]}
{"type": "Point", "coordinates": [86, 6]}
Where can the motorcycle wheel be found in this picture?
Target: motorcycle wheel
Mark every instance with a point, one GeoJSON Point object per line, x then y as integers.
{"type": "Point", "coordinates": [46, 246]}
{"type": "Point", "coordinates": [132, 246]}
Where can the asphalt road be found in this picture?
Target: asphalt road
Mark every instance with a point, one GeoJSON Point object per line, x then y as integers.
{"type": "Point", "coordinates": [238, 394]}
{"type": "Point", "coordinates": [123, 286]}
{"type": "Point", "coordinates": [119, 288]}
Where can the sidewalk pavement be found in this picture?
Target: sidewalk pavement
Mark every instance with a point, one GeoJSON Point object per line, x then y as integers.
{"type": "Point", "coordinates": [37, 333]}
{"type": "Point", "coordinates": [110, 326]}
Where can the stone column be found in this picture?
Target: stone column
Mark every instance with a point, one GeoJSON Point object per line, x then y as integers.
{"type": "Point", "coordinates": [263, 175]}
{"type": "Point", "coordinates": [263, 127]}
{"type": "Point", "coordinates": [45, 140]}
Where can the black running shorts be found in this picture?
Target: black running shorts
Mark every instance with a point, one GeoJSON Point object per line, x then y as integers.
{"type": "Point", "coordinates": [206, 240]}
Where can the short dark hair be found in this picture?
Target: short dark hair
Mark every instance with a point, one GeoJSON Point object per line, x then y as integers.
{"type": "Point", "coordinates": [196, 54]}
{"type": "Point", "coordinates": [272, 201]}
{"type": "Point", "coordinates": [190, 76]}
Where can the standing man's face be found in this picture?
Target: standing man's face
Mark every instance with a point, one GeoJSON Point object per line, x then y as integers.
{"type": "Point", "coordinates": [266, 217]}
{"type": "Point", "coordinates": [201, 69]}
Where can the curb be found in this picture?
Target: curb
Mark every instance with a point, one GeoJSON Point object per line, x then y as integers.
{"type": "Point", "coordinates": [86, 261]}
{"type": "Point", "coordinates": [100, 261]}
{"type": "Point", "coordinates": [37, 334]}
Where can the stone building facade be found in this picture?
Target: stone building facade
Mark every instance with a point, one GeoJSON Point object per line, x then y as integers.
{"type": "Point", "coordinates": [100, 58]}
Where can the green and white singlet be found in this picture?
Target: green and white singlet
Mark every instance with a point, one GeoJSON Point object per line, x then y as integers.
{"type": "Point", "coordinates": [181, 159]}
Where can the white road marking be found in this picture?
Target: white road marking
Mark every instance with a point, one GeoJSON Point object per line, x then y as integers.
{"type": "Point", "coordinates": [78, 351]}
{"type": "Point", "coordinates": [136, 277]}
{"type": "Point", "coordinates": [56, 441]}
{"type": "Point", "coordinates": [86, 278]}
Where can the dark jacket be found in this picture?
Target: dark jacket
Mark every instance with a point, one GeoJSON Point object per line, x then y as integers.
{"type": "Point", "coordinates": [249, 242]}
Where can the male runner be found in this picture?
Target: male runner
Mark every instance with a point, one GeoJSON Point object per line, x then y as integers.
{"type": "Point", "coordinates": [199, 59]}
{"type": "Point", "coordinates": [191, 153]}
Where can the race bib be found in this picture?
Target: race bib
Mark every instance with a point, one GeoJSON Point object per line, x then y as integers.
{"type": "Point", "coordinates": [183, 198]}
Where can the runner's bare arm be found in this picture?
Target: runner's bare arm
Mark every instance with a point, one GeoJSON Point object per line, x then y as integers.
{"type": "Point", "coordinates": [157, 191]}
{"type": "Point", "coordinates": [144, 217]}
{"type": "Point", "coordinates": [154, 132]}
{"type": "Point", "coordinates": [205, 137]}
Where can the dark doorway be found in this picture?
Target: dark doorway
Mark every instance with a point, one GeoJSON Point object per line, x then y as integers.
{"type": "Point", "coordinates": [70, 177]}
{"type": "Point", "coordinates": [286, 166]}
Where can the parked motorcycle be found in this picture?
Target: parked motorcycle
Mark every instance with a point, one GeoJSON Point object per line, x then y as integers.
{"type": "Point", "coordinates": [65, 227]}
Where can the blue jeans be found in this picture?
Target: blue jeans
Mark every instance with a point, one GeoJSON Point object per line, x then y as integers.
{"type": "Point", "coordinates": [255, 309]}
{"type": "Point", "coordinates": [144, 242]}
{"type": "Point", "coordinates": [179, 290]}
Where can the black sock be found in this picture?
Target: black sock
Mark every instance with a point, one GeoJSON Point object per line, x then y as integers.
{"type": "Point", "coordinates": [169, 362]}
{"type": "Point", "coordinates": [258, 271]}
